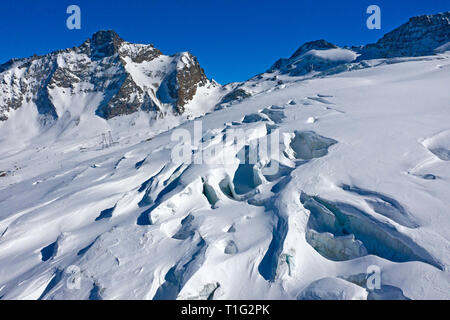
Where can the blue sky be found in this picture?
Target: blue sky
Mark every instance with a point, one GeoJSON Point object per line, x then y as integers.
{"type": "Point", "coordinates": [233, 39]}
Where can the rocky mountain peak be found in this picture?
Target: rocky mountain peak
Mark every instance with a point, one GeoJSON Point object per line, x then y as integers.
{"type": "Point", "coordinates": [102, 44]}
{"type": "Point", "coordinates": [313, 56]}
{"type": "Point", "coordinates": [313, 45]}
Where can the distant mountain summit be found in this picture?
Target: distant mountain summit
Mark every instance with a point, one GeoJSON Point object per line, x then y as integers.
{"type": "Point", "coordinates": [129, 77]}
{"type": "Point", "coordinates": [108, 77]}
{"type": "Point", "coordinates": [420, 36]}
{"type": "Point", "coordinates": [104, 44]}
{"type": "Point", "coordinates": [312, 56]}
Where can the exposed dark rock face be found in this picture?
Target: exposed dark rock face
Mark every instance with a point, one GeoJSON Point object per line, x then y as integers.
{"type": "Point", "coordinates": [127, 99]}
{"type": "Point", "coordinates": [146, 53]}
{"type": "Point", "coordinates": [237, 94]}
{"type": "Point", "coordinates": [418, 37]}
{"type": "Point", "coordinates": [188, 78]}
{"type": "Point", "coordinates": [100, 65]}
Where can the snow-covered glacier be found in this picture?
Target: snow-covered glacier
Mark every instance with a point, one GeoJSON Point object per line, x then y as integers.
{"type": "Point", "coordinates": [355, 176]}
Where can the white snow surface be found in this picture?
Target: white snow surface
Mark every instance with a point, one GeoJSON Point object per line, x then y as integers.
{"type": "Point", "coordinates": [337, 54]}
{"type": "Point", "coordinates": [139, 226]}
